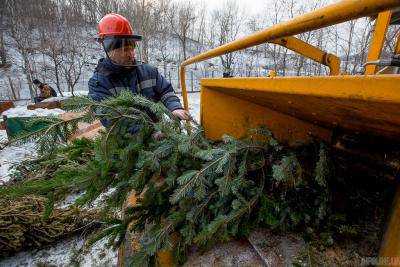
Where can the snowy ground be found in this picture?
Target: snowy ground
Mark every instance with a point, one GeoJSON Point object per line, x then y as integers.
{"type": "Point", "coordinates": [194, 105]}
{"type": "Point", "coordinates": [62, 253]}
{"type": "Point", "coordinates": [66, 95]}
{"type": "Point", "coordinates": [12, 155]}
{"type": "Point", "coordinates": [22, 111]}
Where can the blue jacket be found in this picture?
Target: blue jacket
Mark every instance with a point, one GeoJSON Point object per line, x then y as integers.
{"type": "Point", "coordinates": [109, 80]}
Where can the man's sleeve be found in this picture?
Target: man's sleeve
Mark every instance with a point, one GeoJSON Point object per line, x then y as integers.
{"type": "Point", "coordinates": [166, 93]}
{"type": "Point", "coordinates": [98, 92]}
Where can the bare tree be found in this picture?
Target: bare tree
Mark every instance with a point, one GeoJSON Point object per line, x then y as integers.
{"type": "Point", "coordinates": [161, 43]}
{"type": "Point", "coordinates": [107, 6]}
{"type": "Point", "coordinates": [53, 48]}
{"type": "Point", "coordinates": [23, 33]}
{"type": "Point", "coordinates": [228, 24]}
{"type": "Point", "coordinates": [74, 57]}
{"type": "Point", "coordinates": [349, 43]}
{"type": "Point", "coordinates": [90, 9]}
{"type": "Point", "coordinates": [276, 53]}
{"type": "Point", "coordinates": [3, 52]}
{"type": "Point", "coordinates": [14, 91]}
{"type": "Point", "coordinates": [144, 21]}
{"type": "Point", "coordinates": [182, 17]}
{"type": "Point", "coordinates": [200, 28]}
{"type": "Point", "coordinates": [391, 39]}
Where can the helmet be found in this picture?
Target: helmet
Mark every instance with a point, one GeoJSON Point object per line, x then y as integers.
{"type": "Point", "coordinates": [116, 25]}
{"type": "Point", "coordinates": [118, 40]}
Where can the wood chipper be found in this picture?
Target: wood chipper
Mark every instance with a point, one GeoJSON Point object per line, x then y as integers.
{"type": "Point", "coordinates": [299, 109]}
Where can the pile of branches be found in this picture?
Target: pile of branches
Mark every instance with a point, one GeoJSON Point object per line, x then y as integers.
{"type": "Point", "coordinates": [191, 191]}
{"type": "Point", "coordinates": [26, 223]}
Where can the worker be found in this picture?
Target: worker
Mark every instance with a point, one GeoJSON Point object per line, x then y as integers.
{"type": "Point", "coordinates": [120, 70]}
{"type": "Point", "coordinates": [45, 91]}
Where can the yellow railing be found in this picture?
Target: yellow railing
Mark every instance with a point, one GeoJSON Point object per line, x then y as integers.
{"type": "Point", "coordinates": [333, 14]}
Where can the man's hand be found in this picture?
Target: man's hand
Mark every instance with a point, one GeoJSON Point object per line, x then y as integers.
{"type": "Point", "coordinates": [181, 114]}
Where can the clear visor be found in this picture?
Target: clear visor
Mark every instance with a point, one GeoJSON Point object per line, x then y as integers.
{"type": "Point", "coordinates": [122, 51]}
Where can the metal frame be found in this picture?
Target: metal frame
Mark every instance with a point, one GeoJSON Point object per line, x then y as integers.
{"type": "Point", "coordinates": [375, 50]}
{"type": "Point", "coordinates": [333, 14]}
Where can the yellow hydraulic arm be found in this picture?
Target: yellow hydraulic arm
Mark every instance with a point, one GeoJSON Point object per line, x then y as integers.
{"type": "Point", "coordinates": [312, 52]}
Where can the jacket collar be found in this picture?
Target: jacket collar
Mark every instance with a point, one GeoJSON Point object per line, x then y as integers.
{"type": "Point", "coordinates": [107, 64]}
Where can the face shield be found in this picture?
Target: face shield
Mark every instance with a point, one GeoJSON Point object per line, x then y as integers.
{"type": "Point", "coordinates": [123, 50]}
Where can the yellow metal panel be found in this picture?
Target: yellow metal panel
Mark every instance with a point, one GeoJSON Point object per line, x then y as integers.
{"type": "Point", "coordinates": [369, 104]}
{"type": "Point", "coordinates": [390, 249]}
{"type": "Point", "coordinates": [378, 39]}
{"type": "Point", "coordinates": [312, 52]}
{"type": "Point", "coordinates": [225, 114]}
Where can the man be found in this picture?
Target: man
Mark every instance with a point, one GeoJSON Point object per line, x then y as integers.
{"type": "Point", "coordinates": [45, 91]}
{"type": "Point", "coordinates": [120, 70]}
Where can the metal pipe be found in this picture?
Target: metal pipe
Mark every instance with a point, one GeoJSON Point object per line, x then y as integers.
{"type": "Point", "coordinates": [378, 39]}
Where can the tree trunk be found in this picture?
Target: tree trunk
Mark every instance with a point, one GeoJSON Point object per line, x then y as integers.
{"type": "Point", "coordinates": [13, 90]}
{"type": "Point", "coordinates": [3, 52]}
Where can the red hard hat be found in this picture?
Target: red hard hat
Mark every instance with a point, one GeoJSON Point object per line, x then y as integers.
{"type": "Point", "coordinates": [116, 25]}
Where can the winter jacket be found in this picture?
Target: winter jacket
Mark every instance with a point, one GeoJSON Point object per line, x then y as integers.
{"type": "Point", "coordinates": [109, 80]}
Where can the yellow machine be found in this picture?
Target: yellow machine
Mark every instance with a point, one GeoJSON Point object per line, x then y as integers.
{"type": "Point", "coordinates": [299, 109]}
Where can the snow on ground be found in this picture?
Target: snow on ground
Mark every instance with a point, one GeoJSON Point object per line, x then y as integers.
{"type": "Point", "coordinates": [66, 95]}
{"type": "Point", "coordinates": [63, 254]}
{"type": "Point", "coordinates": [23, 111]}
{"type": "Point", "coordinates": [194, 105]}
{"type": "Point", "coordinates": [12, 155]}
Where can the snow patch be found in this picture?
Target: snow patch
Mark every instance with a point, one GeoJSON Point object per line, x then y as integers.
{"type": "Point", "coordinates": [12, 155]}
{"type": "Point", "coordinates": [23, 111]}
{"type": "Point", "coordinates": [63, 254]}
{"type": "Point", "coordinates": [194, 105]}
{"type": "Point", "coordinates": [66, 95]}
